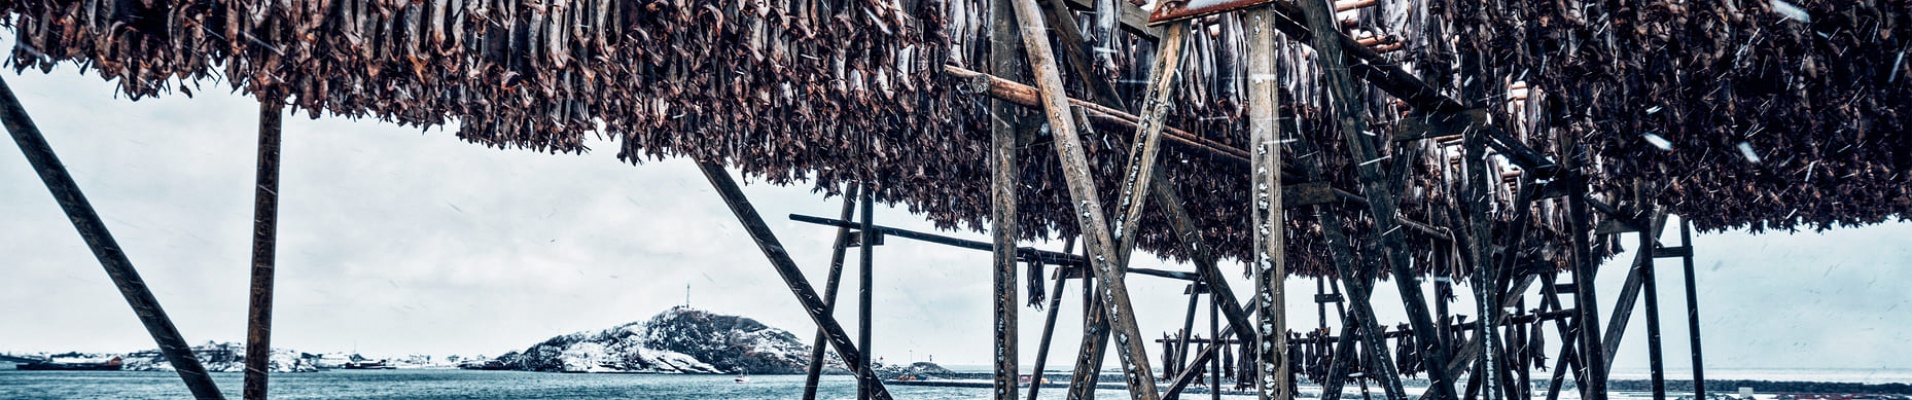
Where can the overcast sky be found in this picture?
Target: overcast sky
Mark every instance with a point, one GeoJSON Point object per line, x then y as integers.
{"type": "Point", "coordinates": [393, 241]}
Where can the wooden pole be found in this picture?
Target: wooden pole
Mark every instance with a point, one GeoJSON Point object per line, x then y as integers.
{"type": "Point", "coordinates": [1693, 311]}
{"type": "Point", "coordinates": [1657, 368]}
{"type": "Point", "coordinates": [792, 276]}
{"type": "Point", "coordinates": [1270, 268]}
{"type": "Point", "coordinates": [837, 250]}
{"type": "Point", "coordinates": [1583, 295]}
{"type": "Point", "coordinates": [1215, 331]}
{"type": "Point", "coordinates": [1049, 325]}
{"type": "Point", "coordinates": [1093, 224]}
{"type": "Point", "coordinates": [85, 220]}
{"type": "Point", "coordinates": [865, 260]}
{"type": "Point", "coordinates": [1002, 198]}
{"type": "Point", "coordinates": [265, 228]}
{"type": "Point", "coordinates": [1486, 294]}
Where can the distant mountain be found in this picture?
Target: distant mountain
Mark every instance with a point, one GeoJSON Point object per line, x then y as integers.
{"type": "Point", "coordinates": [679, 340]}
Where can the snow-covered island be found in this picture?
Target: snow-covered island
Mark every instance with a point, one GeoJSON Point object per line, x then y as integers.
{"type": "Point", "coordinates": [680, 340]}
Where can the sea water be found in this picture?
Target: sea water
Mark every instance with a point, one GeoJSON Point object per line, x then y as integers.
{"type": "Point", "coordinates": [469, 385]}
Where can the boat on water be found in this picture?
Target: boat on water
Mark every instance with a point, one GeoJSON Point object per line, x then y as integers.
{"type": "Point", "coordinates": [743, 378]}
{"type": "Point", "coordinates": [380, 364]}
{"type": "Point", "coordinates": [49, 365]}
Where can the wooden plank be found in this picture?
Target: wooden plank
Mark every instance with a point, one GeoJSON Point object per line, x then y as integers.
{"type": "Point", "coordinates": [1270, 265]}
{"type": "Point", "coordinates": [265, 232]}
{"type": "Point", "coordinates": [786, 268]}
{"type": "Point", "coordinates": [1093, 224]}
{"type": "Point", "coordinates": [112, 258]}
{"type": "Point", "coordinates": [835, 278]}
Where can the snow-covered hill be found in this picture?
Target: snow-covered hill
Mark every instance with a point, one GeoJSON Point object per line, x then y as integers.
{"type": "Point", "coordinates": [679, 340]}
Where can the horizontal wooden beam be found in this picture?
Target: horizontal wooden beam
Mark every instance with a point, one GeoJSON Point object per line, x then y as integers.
{"type": "Point", "coordinates": [1028, 96]}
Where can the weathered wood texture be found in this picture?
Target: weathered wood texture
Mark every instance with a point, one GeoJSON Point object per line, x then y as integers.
{"type": "Point", "coordinates": [265, 237]}
{"type": "Point", "coordinates": [1269, 267]}
{"type": "Point", "coordinates": [112, 258]}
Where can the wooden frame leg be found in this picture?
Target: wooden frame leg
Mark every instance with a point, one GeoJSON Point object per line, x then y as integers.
{"type": "Point", "coordinates": [111, 257]}
{"type": "Point", "coordinates": [835, 279]}
{"type": "Point", "coordinates": [792, 276]}
{"type": "Point", "coordinates": [265, 227]}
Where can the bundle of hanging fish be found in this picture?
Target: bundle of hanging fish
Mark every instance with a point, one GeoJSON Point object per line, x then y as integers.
{"type": "Point", "coordinates": [1761, 114]}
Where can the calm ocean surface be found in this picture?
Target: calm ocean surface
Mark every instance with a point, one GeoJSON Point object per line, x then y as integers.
{"type": "Point", "coordinates": [461, 384]}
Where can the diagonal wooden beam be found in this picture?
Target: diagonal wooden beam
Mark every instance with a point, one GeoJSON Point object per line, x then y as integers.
{"type": "Point", "coordinates": [265, 228]}
{"type": "Point", "coordinates": [1169, 202]}
{"type": "Point", "coordinates": [835, 279]}
{"type": "Point", "coordinates": [787, 268]}
{"type": "Point", "coordinates": [1093, 224]}
{"type": "Point", "coordinates": [1349, 112]}
{"type": "Point", "coordinates": [1140, 173]}
{"type": "Point", "coordinates": [87, 221]}
{"type": "Point", "coordinates": [1630, 291]}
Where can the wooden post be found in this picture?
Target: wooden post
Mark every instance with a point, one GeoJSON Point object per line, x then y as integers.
{"type": "Point", "coordinates": [792, 276]}
{"type": "Point", "coordinates": [837, 250]}
{"type": "Point", "coordinates": [111, 257]}
{"type": "Point", "coordinates": [1692, 311]}
{"type": "Point", "coordinates": [1002, 198]}
{"type": "Point", "coordinates": [1003, 62]}
{"type": "Point", "coordinates": [1215, 332]}
{"type": "Point", "coordinates": [1093, 224]}
{"type": "Point", "coordinates": [1270, 268]}
{"type": "Point", "coordinates": [866, 254]}
{"type": "Point", "coordinates": [1657, 368]}
{"type": "Point", "coordinates": [1486, 295]}
{"type": "Point", "coordinates": [265, 228]}
{"type": "Point", "coordinates": [1583, 295]}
